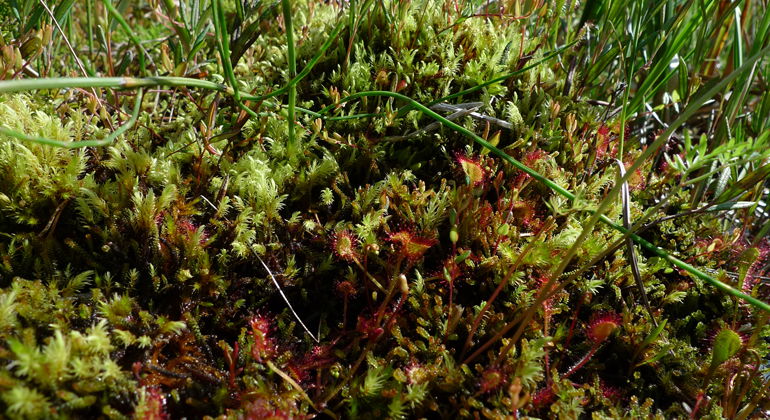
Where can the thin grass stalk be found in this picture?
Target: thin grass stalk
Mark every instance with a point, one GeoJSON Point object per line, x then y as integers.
{"type": "Point", "coordinates": [90, 29]}
{"type": "Point", "coordinates": [629, 71]}
{"type": "Point", "coordinates": [223, 45]}
{"type": "Point", "coordinates": [239, 10]}
{"type": "Point", "coordinates": [291, 382]}
{"type": "Point", "coordinates": [23, 85]}
{"type": "Point", "coordinates": [129, 32]}
{"type": "Point", "coordinates": [351, 30]}
{"type": "Point", "coordinates": [293, 147]}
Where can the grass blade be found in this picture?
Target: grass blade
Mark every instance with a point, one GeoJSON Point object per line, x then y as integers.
{"type": "Point", "coordinates": [85, 143]}
{"type": "Point", "coordinates": [289, 27]}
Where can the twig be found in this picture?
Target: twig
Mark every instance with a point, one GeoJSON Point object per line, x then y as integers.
{"type": "Point", "coordinates": [285, 299]}
{"type": "Point", "coordinates": [428, 128]}
{"type": "Point", "coordinates": [484, 117]}
{"type": "Point", "coordinates": [292, 61]}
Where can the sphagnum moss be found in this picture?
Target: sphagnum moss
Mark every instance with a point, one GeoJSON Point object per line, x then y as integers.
{"type": "Point", "coordinates": [148, 277]}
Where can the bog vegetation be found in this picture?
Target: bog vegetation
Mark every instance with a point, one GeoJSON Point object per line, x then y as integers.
{"type": "Point", "coordinates": [384, 209]}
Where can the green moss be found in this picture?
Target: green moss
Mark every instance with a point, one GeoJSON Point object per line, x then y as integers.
{"type": "Point", "coordinates": [142, 279]}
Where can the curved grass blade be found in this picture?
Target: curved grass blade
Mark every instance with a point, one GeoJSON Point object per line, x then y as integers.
{"type": "Point", "coordinates": [23, 85]}
{"type": "Point", "coordinates": [85, 143]}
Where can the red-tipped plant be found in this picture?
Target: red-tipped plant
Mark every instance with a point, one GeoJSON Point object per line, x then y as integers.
{"type": "Point", "coordinates": [543, 397]}
{"type": "Point", "coordinates": [529, 159]}
{"type": "Point", "coordinates": [411, 246]}
{"type": "Point", "coordinates": [601, 326]}
{"type": "Point", "coordinates": [610, 392]}
{"type": "Point", "coordinates": [264, 345]}
{"type": "Point", "coordinates": [475, 174]}
{"type": "Point", "coordinates": [491, 379]}
{"type": "Point", "coordinates": [345, 246]}
{"type": "Point", "coordinates": [152, 404]}
{"type": "Point", "coordinates": [346, 289]}
{"type": "Point", "coordinates": [231, 357]}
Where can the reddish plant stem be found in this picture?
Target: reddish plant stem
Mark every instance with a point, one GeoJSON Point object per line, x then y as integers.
{"type": "Point", "coordinates": [345, 311]}
{"type": "Point", "coordinates": [404, 287]}
{"type": "Point", "coordinates": [698, 402]}
{"type": "Point", "coordinates": [574, 321]}
{"type": "Point", "coordinates": [399, 304]}
{"type": "Point", "coordinates": [498, 289]}
{"type": "Point", "coordinates": [507, 218]}
{"type": "Point", "coordinates": [542, 297]}
{"type": "Point", "coordinates": [527, 316]}
{"type": "Point", "coordinates": [233, 362]}
{"type": "Point", "coordinates": [582, 361]}
{"type": "Point", "coordinates": [546, 325]}
{"type": "Point", "coordinates": [389, 297]}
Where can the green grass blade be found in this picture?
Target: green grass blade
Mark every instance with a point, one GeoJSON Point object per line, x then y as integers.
{"type": "Point", "coordinates": [286, 6]}
{"type": "Point", "coordinates": [85, 143]}
{"type": "Point", "coordinates": [23, 85]}
{"type": "Point", "coordinates": [223, 45]}
{"type": "Point", "coordinates": [129, 32]}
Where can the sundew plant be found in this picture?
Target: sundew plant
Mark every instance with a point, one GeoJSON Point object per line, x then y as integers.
{"type": "Point", "coordinates": [384, 209]}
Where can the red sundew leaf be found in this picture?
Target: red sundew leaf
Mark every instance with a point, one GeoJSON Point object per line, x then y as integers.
{"type": "Point", "coordinates": [264, 345]}
{"type": "Point", "coordinates": [475, 174]}
{"type": "Point", "coordinates": [413, 247]}
{"type": "Point", "coordinates": [726, 343]}
{"type": "Point", "coordinates": [491, 380]}
{"type": "Point", "coordinates": [602, 326]}
{"type": "Point", "coordinates": [344, 245]}
{"type": "Point", "coordinates": [533, 157]}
